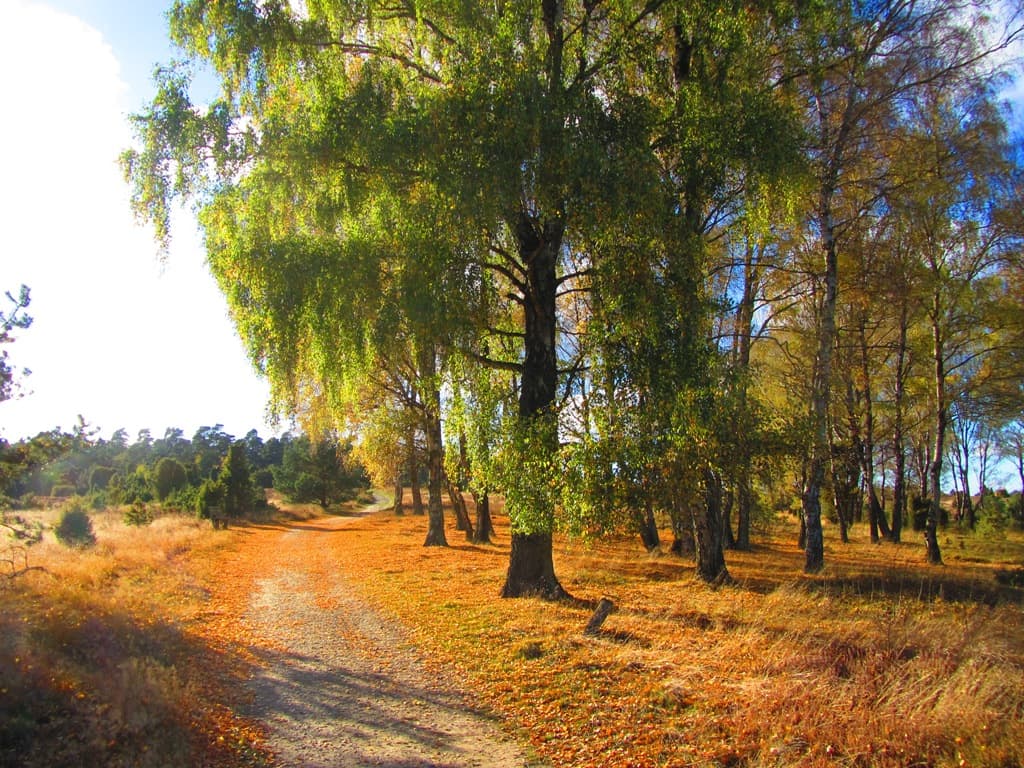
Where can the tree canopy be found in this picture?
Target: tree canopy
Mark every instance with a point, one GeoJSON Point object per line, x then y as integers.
{"type": "Point", "coordinates": [393, 195]}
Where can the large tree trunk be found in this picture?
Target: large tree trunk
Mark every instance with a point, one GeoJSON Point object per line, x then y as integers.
{"type": "Point", "coordinates": [648, 527]}
{"type": "Point", "coordinates": [814, 551]}
{"type": "Point", "coordinates": [744, 330]}
{"type": "Point", "coordinates": [435, 456]}
{"type": "Point", "coordinates": [462, 521]}
{"type": "Point", "coordinates": [414, 475]}
{"type": "Point", "coordinates": [484, 526]}
{"type": "Point", "coordinates": [709, 533]}
{"type": "Point", "coordinates": [538, 238]}
{"type": "Point", "coordinates": [531, 568]}
{"type": "Point", "coordinates": [931, 536]}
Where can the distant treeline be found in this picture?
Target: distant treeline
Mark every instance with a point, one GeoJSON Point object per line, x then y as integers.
{"type": "Point", "coordinates": [176, 471]}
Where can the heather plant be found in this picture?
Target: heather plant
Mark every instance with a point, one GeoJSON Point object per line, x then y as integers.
{"type": "Point", "coordinates": [74, 529]}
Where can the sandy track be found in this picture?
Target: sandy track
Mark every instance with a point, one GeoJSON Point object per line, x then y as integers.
{"type": "Point", "coordinates": [342, 687]}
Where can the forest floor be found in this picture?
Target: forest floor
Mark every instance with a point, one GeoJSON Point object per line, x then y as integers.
{"type": "Point", "coordinates": [312, 639]}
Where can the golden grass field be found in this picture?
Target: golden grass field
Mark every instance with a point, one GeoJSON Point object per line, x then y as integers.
{"type": "Point", "coordinates": [130, 653]}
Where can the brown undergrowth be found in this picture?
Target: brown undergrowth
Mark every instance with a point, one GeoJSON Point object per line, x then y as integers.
{"type": "Point", "coordinates": [879, 661]}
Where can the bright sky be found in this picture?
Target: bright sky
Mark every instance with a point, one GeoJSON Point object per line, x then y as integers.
{"type": "Point", "coordinates": [118, 336]}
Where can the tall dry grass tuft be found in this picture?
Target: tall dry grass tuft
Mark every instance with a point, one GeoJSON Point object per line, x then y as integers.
{"type": "Point", "coordinates": [97, 664]}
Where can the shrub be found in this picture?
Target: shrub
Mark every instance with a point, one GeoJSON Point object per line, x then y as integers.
{"type": "Point", "coordinates": [263, 478]}
{"type": "Point", "coordinates": [210, 494]}
{"type": "Point", "coordinates": [168, 476]}
{"type": "Point", "coordinates": [132, 487]}
{"type": "Point", "coordinates": [182, 500]}
{"type": "Point", "coordinates": [139, 513]}
{"type": "Point", "coordinates": [99, 478]}
{"type": "Point", "coordinates": [994, 516]}
{"type": "Point", "coordinates": [74, 529]}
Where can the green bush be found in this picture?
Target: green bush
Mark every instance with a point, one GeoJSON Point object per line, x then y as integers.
{"type": "Point", "coordinates": [99, 478]}
{"type": "Point", "coordinates": [263, 478]}
{"type": "Point", "coordinates": [994, 516]}
{"type": "Point", "coordinates": [168, 476]}
{"type": "Point", "coordinates": [210, 494]}
{"type": "Point", "coordinates": [139, 513]}
{"type": "Point", "coordinates": [132, 487]}
{"type": "Point", "coordinates": [74, 529]}
{"type": "Point", "coordinates": [182, 500]}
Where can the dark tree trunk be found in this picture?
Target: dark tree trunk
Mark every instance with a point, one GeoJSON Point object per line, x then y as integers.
{"type": "Point", "coordinates": [398, 509]}
{"type": "Point", "coordinates": [876, 515]}
{"type": "Point", "coordinates": [899, 493]}
{"type": "Point", "coordinates": [709, 533]}
{"type": "Point", "coordinates": [648, 527]}
{"type": "Point", "coordinates": [435, 457]}
{"type": "Point", "coordinates": [531, 567]}
{"type": "Point", "coordinates": [729, 541]}
{"type": "Point", "coordinates": [820, 388]}
{"type": "Point", "coordinates": [682, 530]}
{"type": "Point", "coordinates": [931, 535]}
{"type": "Point", "coordinates": [462, 521]}
{"type": "Point", "coordinates": [484, 526]}
{"type": "Point", "coordinates": [414, 476]}
{"type": "Point", "coordinates": [744, 504]}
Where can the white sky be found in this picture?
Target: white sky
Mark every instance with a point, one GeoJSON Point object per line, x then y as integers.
{"type": "Point", "coordinates": [118, 337]}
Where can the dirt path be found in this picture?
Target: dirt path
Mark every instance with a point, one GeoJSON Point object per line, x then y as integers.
{"type": "Point", "coordinates": [341, 687]}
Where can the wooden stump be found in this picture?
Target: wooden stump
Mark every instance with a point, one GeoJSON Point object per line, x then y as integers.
{"type": "Point", "coordinates": [604, 607]}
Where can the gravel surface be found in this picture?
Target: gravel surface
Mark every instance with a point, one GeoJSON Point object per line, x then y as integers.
{"type": "Point", "coordinates": [343, 687]}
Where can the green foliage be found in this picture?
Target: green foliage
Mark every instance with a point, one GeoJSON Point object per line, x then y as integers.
{"type": "Point", "coordinates": [74, 528]}
{"type": "Point", "coordinates": [182, 500]}
{"type": "Point", "coordinates": [263, 478]}
{"type": "Point", "coordinates": [168, 476]}
{"type": "Point", "coordinates": [995, 514]}
{"type": "Point", "coordinates": [13, 319]}
{"type": "Point", "coordinates": [528, 470]}
{"type": "Point", "coordinates": [100, 477]}
{"type": "Point", "coordinates": [138, 514]}
{"type": "Point", "coordinates": [322, 471]}
{"type": "Point", "coordinates": [210, 494]}
{"type": "Point", "coordinates": [234, 477]}
{"type": "Point", "coordinates": [131, 487]}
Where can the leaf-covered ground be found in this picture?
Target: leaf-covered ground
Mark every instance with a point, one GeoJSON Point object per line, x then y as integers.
{"type": "Point", "coordinates": [142, 650]}
{"type": "Point", "coordinates": [878, 661]}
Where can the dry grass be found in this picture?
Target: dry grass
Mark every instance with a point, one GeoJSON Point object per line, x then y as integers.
{"type": "Point", "coordinates": [878, 661]}
{"type": "Point", "coordinates": [131, 653]}
{"type": "Point", "coordinates": [100, 663]}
